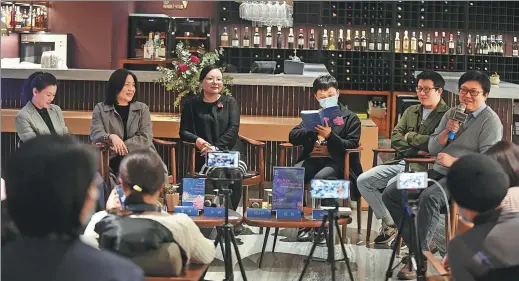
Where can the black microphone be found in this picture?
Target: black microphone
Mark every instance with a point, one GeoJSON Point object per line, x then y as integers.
{"type": "Point", "coordinates": [458, 115]}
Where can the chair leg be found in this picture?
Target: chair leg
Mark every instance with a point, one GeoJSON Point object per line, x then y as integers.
{"type": "Point", "coordinates": [399, 245]}
{"type": "Point", "coordinates": [359, 217]}
{"type": "Point", "coordinates": [370, 221]}
{"type": "Point", "coordinates": [447, 232]}
{"type": "Point", "coordinates": [276, 231]}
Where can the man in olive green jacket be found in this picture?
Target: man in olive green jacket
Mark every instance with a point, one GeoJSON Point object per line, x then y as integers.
{"type": "Point", "coordinates": [410, 138]}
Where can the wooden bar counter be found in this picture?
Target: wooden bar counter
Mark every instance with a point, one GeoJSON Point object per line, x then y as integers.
{"type": "Point", "coordinates": [270, 107]}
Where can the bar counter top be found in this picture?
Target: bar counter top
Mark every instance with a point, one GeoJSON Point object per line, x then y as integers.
{"type": "Point", "coordinates": [255, 79]}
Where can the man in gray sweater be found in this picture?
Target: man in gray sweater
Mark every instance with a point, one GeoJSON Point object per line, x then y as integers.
{"type": "Point", "coordinates": [480, 131]}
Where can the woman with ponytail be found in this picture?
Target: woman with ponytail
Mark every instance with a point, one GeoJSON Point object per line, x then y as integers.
{"type": "Point", "coordinates": [39, 116]}
{"type": "Point", "coordinates": [124, 229]}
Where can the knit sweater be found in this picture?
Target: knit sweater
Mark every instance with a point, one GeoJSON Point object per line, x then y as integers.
{"type": "Point", "coordinates": [482, 133]}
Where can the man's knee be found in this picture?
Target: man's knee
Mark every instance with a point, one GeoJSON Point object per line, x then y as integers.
{"type": "Point", "coordinates": [432, 197]}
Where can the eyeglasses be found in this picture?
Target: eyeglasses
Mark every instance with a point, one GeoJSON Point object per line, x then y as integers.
{"type": "Point", "coordinates": [425, 90]}
{"type": "Point", "coordinates": [472, 93]}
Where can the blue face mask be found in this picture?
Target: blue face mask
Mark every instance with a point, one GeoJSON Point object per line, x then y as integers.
{"type": "Point", "coordinates": [329, 102]}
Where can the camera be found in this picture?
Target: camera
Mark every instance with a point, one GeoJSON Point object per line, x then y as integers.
{"type": "Point", "coordinates": [255, 203]}
{"type": "Point", "coordinates": [329, 189]}
{"type": "Point", "coordinates": [412, 181]}
{"type": "Point", "coordinates": [218, 159]}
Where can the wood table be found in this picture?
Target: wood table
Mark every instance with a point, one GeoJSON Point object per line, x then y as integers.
{"type": "Point", "coordinates": [305, 222]}
{"type": "Point", "coordinates": [194, 272]}
{"type": "Point", "coordinates": [204, 221]}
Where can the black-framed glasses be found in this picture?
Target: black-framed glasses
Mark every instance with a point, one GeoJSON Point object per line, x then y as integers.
{"type": "Point", "coordinates": [472, 93]}
{"type": "Point", "coordinates": [425, 90]}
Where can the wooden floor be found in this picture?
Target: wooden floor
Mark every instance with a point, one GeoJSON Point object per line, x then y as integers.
{"type": "Point", "coordinates": [369, 263]}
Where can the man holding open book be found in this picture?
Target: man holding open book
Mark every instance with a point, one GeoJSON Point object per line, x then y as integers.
{"type": "Point", "coordinates": [325, 135]}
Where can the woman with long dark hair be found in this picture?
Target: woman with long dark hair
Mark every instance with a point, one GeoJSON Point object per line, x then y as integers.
{"type": "Point", "coordinates": [121, 121]}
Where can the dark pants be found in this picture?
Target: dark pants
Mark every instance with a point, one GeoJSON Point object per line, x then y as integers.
{"type": "Point", "coordinates": [320, 168]}
{"type": "Point", "coordinates": [102, 188]}
{"type": "Point", "coordinates": [236, 187]}
{"type": "Point", "coordinates": [431, 202]}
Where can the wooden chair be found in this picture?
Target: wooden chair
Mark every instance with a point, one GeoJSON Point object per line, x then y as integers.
{"type": "Point", "coordinates": [104, 164]}
{"type": "Point", "coordinates": [172, 179]}
{"type": "Point", "coordinates": [254, 177]}
{"type": "Point", "coordinates": [194, 272]}
{"type": "Point", "coordinates": [376, 152]}
{"type": "Point", "coordinates": [282, 162]}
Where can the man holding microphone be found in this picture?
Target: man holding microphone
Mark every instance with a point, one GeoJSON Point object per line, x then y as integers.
{"type": "Point", "coordinates": [452, 139]}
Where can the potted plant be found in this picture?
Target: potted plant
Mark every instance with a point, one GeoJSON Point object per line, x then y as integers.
{"type": "Point", "coordinates": [183, 77]}
{"type": "Point", "coordinates": [171, 196]}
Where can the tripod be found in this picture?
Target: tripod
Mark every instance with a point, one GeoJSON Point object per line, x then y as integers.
{"type": "Point", "coordinates": [226, 230]}
{"type": "Point", "coordinates": [416, 259]}
{"type": "Point", "coordinates": [333, 221]}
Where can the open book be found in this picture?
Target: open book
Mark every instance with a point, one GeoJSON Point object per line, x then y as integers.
{"type": "Point", "coordinates": [312, 118]}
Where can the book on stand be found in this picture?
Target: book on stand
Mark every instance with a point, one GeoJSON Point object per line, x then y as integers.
{"type": "Point", "coordinates": [288, 188]}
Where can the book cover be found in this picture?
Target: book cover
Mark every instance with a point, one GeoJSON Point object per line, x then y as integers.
{"type": "Point", "coordinates": [312, 118]}
{"type": "Point", "coordinates": [193, 193]}
{"type": "Point", "coordinates": [288, 188]}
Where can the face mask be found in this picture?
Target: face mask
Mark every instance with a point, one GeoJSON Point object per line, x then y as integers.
{"type": "Point", "coordinates": [329, 102]}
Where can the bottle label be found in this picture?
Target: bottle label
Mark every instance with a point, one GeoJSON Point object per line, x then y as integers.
{"type": "Point", "coordinates": [379, 46]}
{"type": "Point", "coordinates": [235, 43]}
{"type": "Point", "coordinates": [300, 41]}
{"type": "Point", "coordinates": [245, 42]}
{"type": "Point", "coordinates": [386, 47]}
{"type": "Point", "coordinates": [371, 46]}
{"type": "Point", "coordinates": [256, 40]}
{"type": "Point", "coordinates": [515, 53]}
{"type": "Point", "coordinates": [268, 42]}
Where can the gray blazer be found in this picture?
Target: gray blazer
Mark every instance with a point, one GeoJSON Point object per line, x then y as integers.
{"type": "Point", "coordinates": [105, 120]}
{"type": "Point", "coordinates": [29, 124]}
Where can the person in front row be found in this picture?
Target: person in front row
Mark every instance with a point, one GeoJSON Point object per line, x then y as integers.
{"type": "Point", "coordinates": [410, 138]}
{"type": "Point", "coordinates": [488, 251]}
{"type": "Point", "coordinates": [50, 195]}
{"type": "Point", "coordinates": [211, 121]}
{"type": "Point", "coordinates": [325, 148]}
{"type": "Point", "coordinates": [40, 116]}
{"type": "Point", "coordinates": [481, 129]}
{"type": "Point", "coordinates": [141, 180]}
{"type": "Point", "coordinates": [121, 121]}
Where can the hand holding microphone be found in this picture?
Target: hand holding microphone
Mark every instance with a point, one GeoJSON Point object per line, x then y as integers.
{"type": "Point", "coordinates": [457, 117]}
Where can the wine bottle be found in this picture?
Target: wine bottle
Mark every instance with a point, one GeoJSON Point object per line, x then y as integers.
{"type": "Point", "coordinates": [420, 43]}
{"type": "Point", "coordinates": [268, 37]}
{"type": "Point", "coordinates": [256, 38]}
{"type": "Point", "coordinates": [469, 45]}
{"type": "Point", "coordinates": [397, 43]}
{"type": "Point", "coordinates": [224, 38]}
{"type": "Point", "coordinates": [279, 39]}
{"type": "Point", "coordinates": [451, 44]}
{"type": "Point", "coordinates": [371, 40]}
{"type": "Point", "coordinates": [291, 39]}
{"type": "Point", "coordinates": [356, 42]}
{"type": "Point", "coordinates": [459, 44]}
{"type": "Point", "coordinates": [246, 40]}
{"type": "Point", "coordinates": [300, 40]}
{"type": "Point", "coordinates": [405, 43]}
{"type": "Point", "coordinates": [443, 44]}
{"type": "Point", "coordinates": [311, 41]}
{"type": "Point", "coordinates": [235, 40]}
{"type": "Point", "coordinates": [515, 48]}
{"type": "Point", "coordinates": [363, 41]}
{"type": "Point", "coordinates": [387, 40]}
{"type": "Point", "coordinates": [428, 44]}
{"type": "Point", "coordinates": [331, 41]}
{"type": "Point", "coordinates": [325, 39]}
{"type": "Point", "coordinates": [379, 41]}
{"type": "Point", "coordinates": [436, 46]}
{"type": "Point", "coordinates": [340, 40]}
{"type": "Point", "coordinates": [414, 47]}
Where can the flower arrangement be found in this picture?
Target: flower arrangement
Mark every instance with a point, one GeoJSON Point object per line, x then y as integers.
{"type": "Point", "coordinates": [183, 78]}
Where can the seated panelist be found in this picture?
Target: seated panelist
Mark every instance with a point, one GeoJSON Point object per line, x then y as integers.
{"type": "Point", "coordinates": [481, 129]}
{"type": "Point", "coordinates": [325, 148]}
{"type": "Point", "coordinates": [409, 138]}
{"type": "Point", "coordinates": [211, 121]}
{"type": "Point", "coordinates": [40, 116]}
{"type": "Point", "coordinates": [121, 121]}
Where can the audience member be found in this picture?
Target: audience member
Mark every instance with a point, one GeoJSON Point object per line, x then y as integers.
{"type": "Point", "coordinates": [488, 251]}
{"type": "Point", "coordinates": [325, 148]}
{"type": "Point", "coordinates": [410, 138]}
{"type": "Point", "coordinates": [9, 231]}
{"type": "Point", "coordinates": [143, 226]}
{"type": "Point", "coordinates": [212, 121]}
{"type": "Point", "coordinates": [40, 116]}
{"type": "Point", "coordinates": [507, 155]}
{"type": "Point", "coordinates": [480, 131]}
{"type": "Point", "coordinates": [50, 194]}
{"type": "Point", "coordinates": [121, 121]}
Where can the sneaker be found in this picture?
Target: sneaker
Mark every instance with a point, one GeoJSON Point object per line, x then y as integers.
{"type": "Point", "coordinates": [386, 234]}
{"type": "Point", "coordinates": [406, 273]}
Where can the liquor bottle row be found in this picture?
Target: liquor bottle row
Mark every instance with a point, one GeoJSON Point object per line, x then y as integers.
{"type": "Point", "coordinates": [154, 48]}
{"type": "Point", "coordinates": [329, 41]}
{"type": "Point", "coordinates": [17, 16]}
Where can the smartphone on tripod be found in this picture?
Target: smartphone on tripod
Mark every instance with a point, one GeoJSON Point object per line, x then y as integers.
{"type": "Point", "coordinates": [412, 181]}
{"type": "Point", "coordinates": [218, 159]}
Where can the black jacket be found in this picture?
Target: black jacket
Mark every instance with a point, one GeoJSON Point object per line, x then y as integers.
{"type": "Point", "coordinates": [217, 123]}
{"type": "Point", "coordinates": [343, 137]}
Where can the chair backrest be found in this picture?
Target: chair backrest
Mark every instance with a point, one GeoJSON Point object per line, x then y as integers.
{"type": "Point", "coordinates": [194, 272]}
{"type": "Point", "coordinates": [164, 261]}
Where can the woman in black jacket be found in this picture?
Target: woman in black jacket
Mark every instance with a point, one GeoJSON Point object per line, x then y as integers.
{"type": "Point", "coordinates": [211, 121]}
